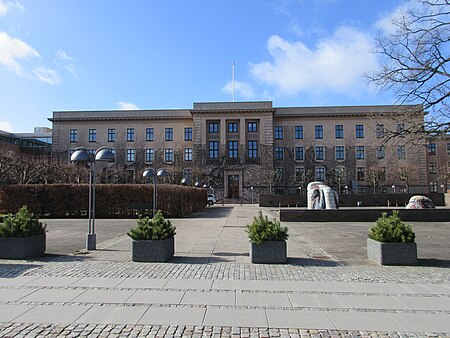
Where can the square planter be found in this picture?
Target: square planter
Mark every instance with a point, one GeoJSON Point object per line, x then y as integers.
{"type": "Point", "coordinates": [22, 247]}
{"type": "Point", "coordinates": [392, 253]}
{"type": "Point", "coordinates": [270, 252]}
{"type": "Point", "coordinates": [153, 250]}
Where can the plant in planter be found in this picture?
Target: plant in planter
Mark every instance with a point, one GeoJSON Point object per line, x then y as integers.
{"type": "Point", "coordinates": [391, 241]}
{"type": "Point", "coordinates": [22, 236]}
{"type": "Point", "coordinates": [153, 239]}
{"type": "Point", "coordinates": [268, 240]}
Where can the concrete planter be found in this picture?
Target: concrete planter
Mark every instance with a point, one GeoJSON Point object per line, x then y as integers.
{"type": "Point", "coordinates": [270, 252]}
{"type": "Point", "coordinates": [153, 250]}
{"type": "Point", "coordinates": [22, 247]}
{"type": "Point", "coordinates": [392, 253]}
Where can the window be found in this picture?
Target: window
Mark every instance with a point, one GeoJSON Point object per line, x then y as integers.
{"type": "Point", "coordinates": [92, 135]}
{"type": "Point", "coordinates": [382, 174]}
{"type": "Point", "coordinates": [401, 152]}
{"type": "Point", "coordinates": [300, 173]}
{"type": "Point", "coordinates": [149, 134]}
{"type": "Point", "coordinates": [319, 132]}
{"type": "Point", "coordinates": [130, 135]}
{"type": "Point", "coordinates": [169, 134]}
{"type": "Point", "coordinates": [433, 187]}
{"type": "Point", "coordinates": [360, 152]}
{"type": "Point", "coordinates": [187, 154]}
{"type": "Point", "coordinates": [279, 174]}
{"type": "Point", "coordinates": [340, 173]}
{"type": "Point", "coordinates": [188, 134]}
{"type": "Point", "coordinates": [359, 131]}
{"type": "Point", "coordinates": [320, 174]}
{"type": "Point", "coordinates": [339, 131]}
{"type": "Point", "coordinates": [233, 127]}
{"type": "Point", "coordinates": [432, 167]}
{"type": "Point", "coordinates": [299, 153]}
{"type": "Point", "coordinates": [187, 174]}
{"type": "Point", "coordinates": [73, 135]}
{"type": "Point", "coordinates": [111, 135]}
{"type": "Point", "coordinates": [320, 156]}
{"type": "Point", "coordinates": [400, 128]}
{"type": "Point", "coordinates": [360, 174]}
{"type": "Point", "coordinates": [168, 154]}
{"type": "Point", "coordinates": [130, 155]}
{"type": "Point", "coordinates": [213, 127]}
{"type": "Point", "coordinates": [380, 130]}
{"type": "Point", "coordinates": [232, 149]}
{"type": "Point", "coordinates": [252, 127]}
{"type": "Point", "coordinates": [252, 149]}
{"type": "Point", "coordinates": [149, 155]}
{"type": "Point", "coordinates": [339, 152]}
{"type": "Point", "coordinates": [381, 152]}
{"type": "Point", "coordinates": [298, 132]}
{"type": "Point", "coordinates": [278, 153]}
{"type": "Point", "coordinates": [213, 149]}
{"type": "Point", "coordinates": [432, 149]}
{"type": "Point", "coordinates": [448, 149]}
{"type": "Point", "coordinates": [278, 132]}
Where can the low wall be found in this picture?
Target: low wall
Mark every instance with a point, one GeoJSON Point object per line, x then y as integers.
{"type": "Point", "coordinates": [363, 215]}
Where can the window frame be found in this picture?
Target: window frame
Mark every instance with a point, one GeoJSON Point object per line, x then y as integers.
{"type": "Point", "coordinates": [92, 135]}
{"type": "Point", "coordinates": [252, 127]}
{"type": "Point", "coordinates": [112, 135]}
{"type": "Point", "coordinates": [130, 134]}
{"type": "Point", "coordinates": [149, 155]}
{"type": "Point", "coordinates": [73, 135]}
{"type": "Point", "coordinates": [213, 150]}
{"type": "Point", "coordinates": [298, 132]}
{"type": "Point", "coordinates": [318, 132]}
{"type": "Point", "coordinates": [278, 153]}
{"type": "Point", "coordinates": [252, 149]}
{"type": "Point", "coordinates": [149, 134]}
{"type": "Point", "coordinates": [339, 150]}
{"type": "Point", "coordinates": [131, 155]}
{"type": "Point", "coordinates": [168, 134]}
{"type": "Point", "coordinates": [319, 150]}
{"type": "Point", "coordinates": [188, 154]}
{"type": "Point", "coordinates": [339, 131]}
{"type": "Point", "coordinates": [299, 153]}
{"type": "Point", "coordinates": [278, 132]}
{"type": "Point", "coordinates": [232, 149]}
{"type": "Point", "coordinates": [168, 155]}
{"type": "Point", "coordinates": [360, 152]}
{"type": "Point", "coordinates": [188, 133]}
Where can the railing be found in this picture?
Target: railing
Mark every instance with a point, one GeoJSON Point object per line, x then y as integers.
{"type": "Point", "coordinates": [232, 161]}
{"type": "Point", "coordinates": [213, 161]}
{"type": "Point", "coordinates": [253, 160]}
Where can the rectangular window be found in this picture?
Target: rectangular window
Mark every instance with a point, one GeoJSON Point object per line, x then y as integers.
{"type": "Point", "coordinates": [318, 132]}
{"type": "Point", "coordinates": [298, 132]}
{"type": "Point", "coordinates": [92, 135]}
{"type": "Point", "coordinates": [320, 156]}
{"type": "Point", "coordinates": [73, 135]}
{"type": "Point", "coordinates": [448, 149]}
{"type": "Point", "coordinates": [187, 174]}
{"type": "Point", "coordinates": [299, 153]}
{"type": "Point", "coordinates": [360, 174]}
{"type": "Point", "coordinates": [432, 149]}
{"type": "Point", "coordinates": [130, 155]}
{"type": "Point", "coordinates": [233, 127]}
{"type": "Point", "coordinates": [279, 174]}
{"type": "Point", "coordinates": [278, 132]}
{"type": "Point", "coordinates": [130, 135]}
{"type": "Point", "coordinates": [359, 131]}
{"type": "Point", "coordinates": [432, 167]}
{"type": "Point", "coordinates": [232, 149]}
{"type": "Point", "coordinates": [169, 134]}
{"type": "Point", "coordinates": [433, 187]}
{"type": "Point", "coordinates": [213, 127]}
{"type": "Point", "coordinates": [300, 173]}
{"type": "Point", "coordinates": [380, 130]}
{"type": "Point", "coordinates": [339, 152]}
{"type": "Point", "coordinates": [111, 135]}
{"type": "Point", "coordinates": [383, 176]}
{"type": "Point", "coordinates": [252, 149]}
{"type": "Point", "coordinates": [149, 135]}
{"type": "Point", "coordinates": [278, 153]}
{"type": "Point", "coordinates": [213, 149]}
{"type": "Point", "coordinates": [188, 134]}
{"type": "Point", "coordinates": [401, 152]}
{"type": "Point", "coordinates": [149, 155]}
{"type": "Point", "coordinates": [320, 174]}
{"type": "Point", "coordinates": [252, 127]}
{"type": "Point", "coordinates": [381, 152]}
{"type": "Point", "coordinates": [340, 173]}
{"type": "Point", "coordinates": [360, 152]}
{"type": "Point", "coordinates": [339, 131]}
{"type": "Point", "coordinates": [187, 154]}
{"type": "Point", "coordinates": [168, 155]}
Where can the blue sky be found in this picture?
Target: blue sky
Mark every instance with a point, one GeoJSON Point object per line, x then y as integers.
{"type": "Point", "coordinates": [110, 54]}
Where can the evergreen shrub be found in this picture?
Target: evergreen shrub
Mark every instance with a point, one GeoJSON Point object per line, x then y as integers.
{"type": "Point", "coordinates": [391, 229]}
{"type": "Point", "coordinates": [262, 230]}
{"type": "Point", "coordinates": [156, 228]}
{"type": "Point", "coordinates": [23, 224]}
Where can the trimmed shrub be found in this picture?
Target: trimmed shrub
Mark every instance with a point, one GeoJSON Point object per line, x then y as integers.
{"type": "Point", "coordinates": [157, 228]}
{"type": "Point", "coordinates": [391, 229]}
{"type": "Point", "coordinates": [23, 224]}
{"type": "Point", "coordinates": [262, 230]}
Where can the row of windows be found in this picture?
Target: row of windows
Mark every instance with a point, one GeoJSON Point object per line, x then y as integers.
{"type": "Point", "coordinates": [433, 168]}
{"type": "Point", "coordinates": [149, 135]}
{"type": "Point", "coordinates": [233, 127]}
{"type": "Point", "coordinates": [149, 154]}
{"type": "Point", "coordinates": [432, 148]}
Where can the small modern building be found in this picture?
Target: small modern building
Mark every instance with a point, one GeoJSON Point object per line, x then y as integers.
{"type": "Point", "coordinates": [237, 148]}
{"type": "Point", "coordinates": [36, 145]}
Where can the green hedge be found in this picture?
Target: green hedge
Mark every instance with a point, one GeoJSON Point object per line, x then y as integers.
{"type": "Point", "coordinates": [111, 200]}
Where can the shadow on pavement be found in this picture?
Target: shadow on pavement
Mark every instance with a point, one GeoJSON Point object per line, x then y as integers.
{"type": "Point", "coordinates": [197, 260]}
{"type": "Point", "coordinates": [312, 262]}
{"type": "Point", "coordinates": [439, 263]}
{"type": "Point", "coordinates": [11, 270]}
{"type": "Point", "coordinates": [212, 212]}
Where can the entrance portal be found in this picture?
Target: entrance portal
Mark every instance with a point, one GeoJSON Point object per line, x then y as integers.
{"type": "Point", "coordinates": [233, 186]}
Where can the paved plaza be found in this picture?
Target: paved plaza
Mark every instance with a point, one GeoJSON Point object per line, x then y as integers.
{"type": "Point", "coordinates": [210, 288]}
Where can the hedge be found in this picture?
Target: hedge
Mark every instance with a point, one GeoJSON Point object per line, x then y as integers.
{"type": "Point", "coordinates": [111, 200]}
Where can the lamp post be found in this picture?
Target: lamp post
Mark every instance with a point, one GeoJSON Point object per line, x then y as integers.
{"type": "Point", "coordinates": [149, 172]}
{"type": "Point", "coordinates": [81, 155]}
{"type": "Point", "coordinates": [346, 189]}
{"type": "Point", "coordinates": [443, 188]}
{"type": "Point", "coordinates": [251, 188]}
{"type": "Point", "coordinates": [393, 187]}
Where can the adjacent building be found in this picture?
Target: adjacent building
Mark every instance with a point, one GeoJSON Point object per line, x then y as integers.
{"type": "Point", "coordinates": [36, 145]}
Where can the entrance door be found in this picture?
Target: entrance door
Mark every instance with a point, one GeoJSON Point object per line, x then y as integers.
{"type": "Point", "coordinates": [233, 186]}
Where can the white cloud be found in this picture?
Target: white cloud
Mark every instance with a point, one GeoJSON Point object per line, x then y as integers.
{"type": "Point", "coordinates": [243, 88]}
{"type": "Point", "coordinates": [335, 64]}
{"type": "Point", "coordinates": [3, 8]}
{"type": "Point", "coordinates": [6, 6]}
{"type": "Point", "coordinates": [6, 126]}
{"type": "Point", "coordinates": [13, 49]}
{"type": "Point", "coordinates": [47, 75]}
{"type": "Point", "coordinates": [68, 61]}
{"type": "Point", "coordinates": [62, 55]}
{"type": "Point", "coordinates": [127, 106]}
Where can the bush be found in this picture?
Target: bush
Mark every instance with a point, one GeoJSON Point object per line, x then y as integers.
{"type": "Point", "coordinates": [157, 228]}
{"type": "Point", "coordinates": [23, 224]}
{"type": "Point", "coordinates": [262, 230]}
{"type": "Point", "coordinates": [391, 229]}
